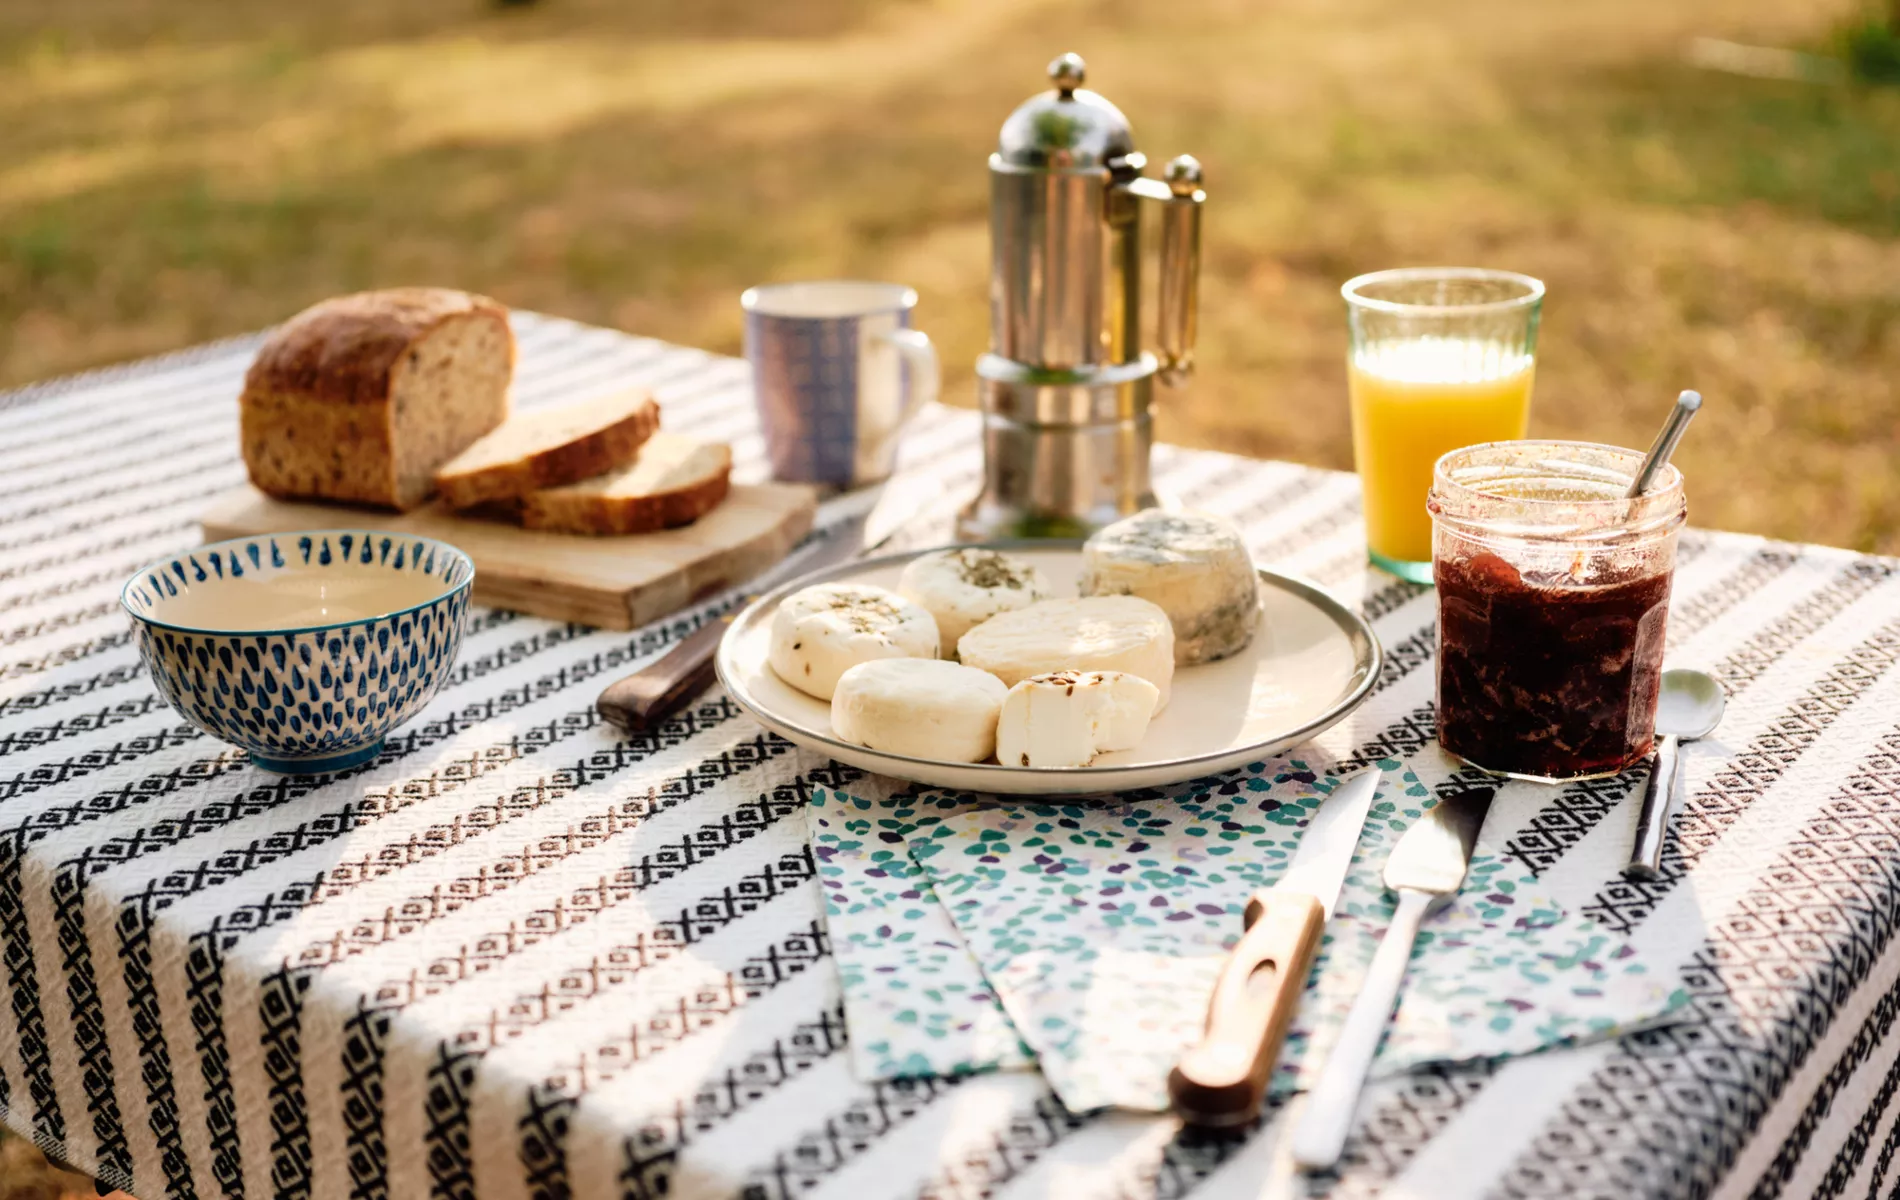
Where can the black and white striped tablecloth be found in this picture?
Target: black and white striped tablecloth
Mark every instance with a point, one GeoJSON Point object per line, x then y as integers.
{"type": "Point", "coordinates": [520, 955]}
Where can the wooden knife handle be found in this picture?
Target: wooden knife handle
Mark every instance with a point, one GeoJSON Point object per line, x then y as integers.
{"type": "Point", "coordinates": [1222, 1081]}
{"type": "Point", "coordinates": [661, 686]}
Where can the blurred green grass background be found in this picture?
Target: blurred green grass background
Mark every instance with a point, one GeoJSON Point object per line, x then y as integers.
{"type": "Point", "coordinates": [171, 172]}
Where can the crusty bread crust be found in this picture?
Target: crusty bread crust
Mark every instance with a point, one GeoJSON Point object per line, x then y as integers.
{"type": "Point", "coordinates": [602, 515]}
{"type": "Point", "coordinates": [318, 414]}
{"type": "Point", "coordinates": [343, 350]}
{"type": "Point", "coordinates": [592, 453]}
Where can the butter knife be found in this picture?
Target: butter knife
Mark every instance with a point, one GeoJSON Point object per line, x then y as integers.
{"type": "Point", "coordinates": [1222, 1081]}
{"type": "Point", "coordinates": [871, 517]}
{"type": "Point", "coordinates": [1425, 869]}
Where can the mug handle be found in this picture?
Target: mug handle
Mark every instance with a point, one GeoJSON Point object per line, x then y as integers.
{"type": "Point", "coordinates": [926, 375]}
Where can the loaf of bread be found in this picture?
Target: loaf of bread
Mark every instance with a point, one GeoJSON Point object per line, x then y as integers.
{"type": "Point", "coordinates": [674, 481]}
{"type": "Point", "coordinates": [550, 447]}
{"type": "Point", "coordinates": [361, 398]}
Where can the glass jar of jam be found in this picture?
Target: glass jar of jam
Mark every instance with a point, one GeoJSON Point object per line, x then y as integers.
{"type": "Point", "coordinates": [1553, 591]}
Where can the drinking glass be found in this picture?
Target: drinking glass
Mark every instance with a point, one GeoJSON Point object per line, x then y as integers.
{"type": "Point", "coordinates": [1439, 358]}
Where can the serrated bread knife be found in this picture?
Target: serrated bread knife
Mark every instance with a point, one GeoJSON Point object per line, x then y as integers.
{"type": "Point", "coordinates": [1221, 1082]}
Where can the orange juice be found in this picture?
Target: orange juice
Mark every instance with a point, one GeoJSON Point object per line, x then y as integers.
{"type": "Point", "coordinates": [1414, 400]}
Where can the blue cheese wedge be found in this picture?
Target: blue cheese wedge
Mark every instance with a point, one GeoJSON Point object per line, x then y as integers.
{"type": "Point", "coordinates": [965, 587]}
{"type": "Point", "coordinates": [1194, 566]}
{"type": "Point", "coordinates": [925, 708]}
{"type": "Point", "coordinates": [820, 632]}
{"type": "Point", "coordinates": [1103, 633]}
{"type": "Point", "coordinates": [1066, 718]}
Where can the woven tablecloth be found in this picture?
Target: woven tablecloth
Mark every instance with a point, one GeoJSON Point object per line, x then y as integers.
{"type": "Point", "coordinates": [521, 955]}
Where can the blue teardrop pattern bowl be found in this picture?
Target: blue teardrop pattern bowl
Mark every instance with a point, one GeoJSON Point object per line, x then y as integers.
{"type": "Point", "coordinates": [304, 649]}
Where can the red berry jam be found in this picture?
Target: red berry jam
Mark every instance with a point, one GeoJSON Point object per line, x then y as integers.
{"type": "Point", "coordinates": [1549, 678]}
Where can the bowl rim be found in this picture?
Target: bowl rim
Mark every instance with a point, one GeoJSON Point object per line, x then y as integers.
{"type": "Point", "coordinates": [467, 582]}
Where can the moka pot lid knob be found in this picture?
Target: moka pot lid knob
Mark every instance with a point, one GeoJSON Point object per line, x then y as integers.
{"type": "Point", "coordinates": [1067, 127]}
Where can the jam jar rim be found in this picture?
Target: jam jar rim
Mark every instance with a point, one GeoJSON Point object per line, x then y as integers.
{"type": "Point", "coordinates": [1614, 519]}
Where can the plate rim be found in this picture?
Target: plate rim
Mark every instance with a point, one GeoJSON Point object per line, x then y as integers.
{"type": "Point", "coordinates": [1368, 650]}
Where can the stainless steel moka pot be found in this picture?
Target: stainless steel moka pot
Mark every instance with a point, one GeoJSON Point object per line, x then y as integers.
{"type": "Point", "coordinates": [1066, 388]}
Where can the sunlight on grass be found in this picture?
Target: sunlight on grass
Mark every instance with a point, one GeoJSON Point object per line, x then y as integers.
{"type": "Point", "coordinates": [356, 105]}
{"type": "Point", "coordinates": [178, 172]}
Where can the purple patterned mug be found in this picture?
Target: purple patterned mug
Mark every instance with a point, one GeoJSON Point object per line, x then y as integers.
{"type": "Point", "coordinates": [837, 370]}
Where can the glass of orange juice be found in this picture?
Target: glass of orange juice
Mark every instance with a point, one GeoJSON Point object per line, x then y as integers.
{"type": "Point", "coordinates": [1440, 358]}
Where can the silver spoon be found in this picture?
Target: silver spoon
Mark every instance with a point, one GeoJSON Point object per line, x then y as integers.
{"type": "Point", "coordinates": [1687, 405]}
{"type": "Point", "coordinates": [1689, 707]}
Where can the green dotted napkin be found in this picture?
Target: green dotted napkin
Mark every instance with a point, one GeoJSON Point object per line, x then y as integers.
{"type": "Point", "coordinates": [1097, 932]}
{"type": "Point", "coordinates": [916, 1002]}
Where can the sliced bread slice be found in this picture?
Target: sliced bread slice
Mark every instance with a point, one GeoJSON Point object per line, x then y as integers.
{"type": "Point", "coordinates": [675, 481]}
{"type": "Point", "coordinates": [549, 447]}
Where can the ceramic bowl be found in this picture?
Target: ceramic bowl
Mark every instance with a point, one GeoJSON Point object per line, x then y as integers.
{"type": "Point", "coordinates": [304, 649]}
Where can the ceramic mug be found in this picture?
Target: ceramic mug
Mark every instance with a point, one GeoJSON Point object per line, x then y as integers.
{"type": "Point", "coordinates": [838, 370]}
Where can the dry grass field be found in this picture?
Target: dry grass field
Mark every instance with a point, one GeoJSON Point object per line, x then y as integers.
{"type": "Point", "coordinates": [26, 1175]}
{"type": "Point", "coordinates": [175, 171]}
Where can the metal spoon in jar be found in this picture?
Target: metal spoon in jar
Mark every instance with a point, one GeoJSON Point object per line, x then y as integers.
{"type": "Point", "coordinates": [1675, 716]}
{"type": "Point", "coordinates": [1689, 707]}
{"type": "Point", "coordinates": [1687, 405]}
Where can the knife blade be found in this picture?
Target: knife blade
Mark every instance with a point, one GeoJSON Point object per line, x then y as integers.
{"type": "Point", "coordinates": [1425, 869]}
{"type": "Point", "coordinates": [1222, 1081]}
{"type": "Point", "coordinates": [852, 525]}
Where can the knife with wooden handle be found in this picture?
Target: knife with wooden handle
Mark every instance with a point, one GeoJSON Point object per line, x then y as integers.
{"type": "Point", "coordinates": [1221, 1082]}
{"type": "Point", "coordinates": [874, 516]}
{"type": "Point", "coordinates": [660, 687]}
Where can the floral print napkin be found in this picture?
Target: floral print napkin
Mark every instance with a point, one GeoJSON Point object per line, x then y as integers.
{"type": "Point", "coordinates": [915, 1000]}
{"type": "Point", "coordinates": [1101, 930]}
{"type": "Point", "coordinates": [1097, 932]}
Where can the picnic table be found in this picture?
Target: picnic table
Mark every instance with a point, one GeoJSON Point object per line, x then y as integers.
{"type": "Point", "coordinates": [523, 954]}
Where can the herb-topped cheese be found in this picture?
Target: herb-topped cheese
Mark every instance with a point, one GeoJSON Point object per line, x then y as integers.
{"type": "Point", "coordinates": [820, 632]}
{"type": "Point", "coordinates": [1066, 718]}
{"type": "Point", "coordinates": [1193, 565]}
{"type": "Point", "coordinates": [963, 588]}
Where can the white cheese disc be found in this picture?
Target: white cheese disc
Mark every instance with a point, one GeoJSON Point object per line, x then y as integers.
{"type": "Point", "coordinates": [922, 707]}
{"type": "Point", "coordinates": [1195, 566]}
{"type": "Point", "coordinates": [1104, 633]}
{"type": "Point", "coordinates": [968, 586]}
{"type": "Point", "coordinates": [1066, 718]}
{"type": "Point", "coordinates": [820, 632]}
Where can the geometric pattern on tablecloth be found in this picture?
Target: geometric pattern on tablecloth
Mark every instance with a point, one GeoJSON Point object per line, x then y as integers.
{"type": "Point", "coordinates": [518, 946]}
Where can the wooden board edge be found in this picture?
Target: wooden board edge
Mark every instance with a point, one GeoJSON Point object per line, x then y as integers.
{"type": "Point", "coordinates": [738, 564]}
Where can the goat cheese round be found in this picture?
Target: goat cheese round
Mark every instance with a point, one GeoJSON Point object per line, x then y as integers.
{"type": "Point", "coordinates": [1195, 566]}
{"type": "Point", "coordinates": [921, 707]}
{"type": "Point", "coordinates": [1066, 718]}
{"type": "Point", "coordinates": [820, 632]}
{"type": "Point", "coordinates": [966, 587]}
{"type": "Point", "coordinates": [1101, 633]}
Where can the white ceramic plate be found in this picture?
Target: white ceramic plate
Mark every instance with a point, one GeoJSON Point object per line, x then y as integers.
{"type": "Point", "coordinates": [1312, 662]}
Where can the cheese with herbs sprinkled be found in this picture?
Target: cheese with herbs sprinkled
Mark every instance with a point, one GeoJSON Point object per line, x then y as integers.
{"type": "Point", "coordinates": [820, 632]}
{"type": "Point", "coordinates": [964, 587]}
{"type": "Point", "coordinates": [1066, 718]}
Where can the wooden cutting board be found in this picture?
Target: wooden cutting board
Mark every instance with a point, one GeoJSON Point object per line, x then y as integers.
{"type": "Point", "coordinates": [612, 582]}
